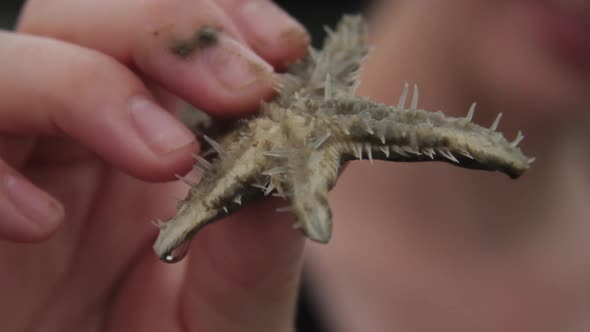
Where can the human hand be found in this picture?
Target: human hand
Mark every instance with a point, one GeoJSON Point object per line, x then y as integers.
{"type": "Point", "coordinates": [77, 121]}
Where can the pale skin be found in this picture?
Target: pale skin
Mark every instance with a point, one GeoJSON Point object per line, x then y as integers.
{"type": "Point", "coordinates": [436, 248]}
{"type": "Point", "coordinates": [84, 135]}
{"type": "Point", "coordinates": [427, 250]}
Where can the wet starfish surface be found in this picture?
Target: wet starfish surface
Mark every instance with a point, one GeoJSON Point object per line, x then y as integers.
{"type": "Point", "coordinates": [296, 145]}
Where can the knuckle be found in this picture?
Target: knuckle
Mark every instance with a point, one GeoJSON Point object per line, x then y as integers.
{"type": "Point", "coordinates": [92, 81]}
{"type": "Point", "coordinates": [160, 11]}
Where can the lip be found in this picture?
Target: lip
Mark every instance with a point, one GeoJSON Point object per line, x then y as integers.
{"type": "Point", "coordinates": [564, 27]}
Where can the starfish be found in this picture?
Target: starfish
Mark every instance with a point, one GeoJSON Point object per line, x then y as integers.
{"type": "Point", "coordinates": [298, 142]}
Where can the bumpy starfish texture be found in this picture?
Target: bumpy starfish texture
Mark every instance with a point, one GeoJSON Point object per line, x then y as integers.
{"type": "Point", "coordinates": [295, 147]}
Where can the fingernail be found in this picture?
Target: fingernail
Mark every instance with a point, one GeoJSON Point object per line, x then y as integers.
{"type": "Point", "coordinates": [270, 25]}
{"type": "Point", "coordinates": [32, 203]}
{"type": "Point", "coordinates": [234, 65]}
{"type": "Point", "coordinates": [162, 131]}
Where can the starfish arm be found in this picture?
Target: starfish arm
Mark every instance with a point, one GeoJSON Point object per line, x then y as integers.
{"type": "Point", "coordinates": [363, 127]}
{"type": "Point", "coordinates": [331, 73]}
{"type": "Point", "coordinates": [343, 52]}
{"type": "Point", "coordinates": [312, 174]}
{"type": "Point", "coordinates": [225, 184]}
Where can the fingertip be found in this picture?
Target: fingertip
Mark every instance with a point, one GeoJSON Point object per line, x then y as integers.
{"type": "Point", "coordinates": [210, 69]}
{"type": "Point", "coordinates": [27, 213]}
{"type": "Point", "coordinates": [167, 144]}
{"type": "Point", "coordinates": [269, 30]}
{"type": "Point", "coordinates": [161, 131]}
{"type": "Point", "coordinates": [136, 136]}
{"type": "Point", "coordinates": [157, 168]}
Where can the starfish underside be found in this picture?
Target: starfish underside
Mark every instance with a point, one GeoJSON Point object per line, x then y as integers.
{"type": "Point", "coordinates": [295, 147]}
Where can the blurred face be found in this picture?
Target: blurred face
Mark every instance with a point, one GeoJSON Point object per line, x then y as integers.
{"type": "Point", "coordinates": [529, 56]}
{"type": "Point", "coordinates": [535, 54]}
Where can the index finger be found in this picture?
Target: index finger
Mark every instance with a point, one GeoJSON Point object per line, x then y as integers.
{"type": "Point", "coordinates": [192, 48]}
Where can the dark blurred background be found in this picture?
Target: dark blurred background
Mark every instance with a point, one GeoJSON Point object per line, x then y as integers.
{"type": "Point", "coordinates": [313, 14]}
{"type": "Point", "coordinates": [8, 11]}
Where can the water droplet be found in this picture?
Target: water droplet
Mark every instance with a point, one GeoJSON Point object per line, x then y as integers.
{"type": "Point", "coordinates": [177, 254]}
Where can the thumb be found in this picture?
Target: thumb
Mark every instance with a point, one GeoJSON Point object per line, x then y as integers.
{"type": "Point", "coordinates": [243, 273]}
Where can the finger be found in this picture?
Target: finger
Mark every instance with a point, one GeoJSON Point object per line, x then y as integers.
{"type": "Point", "coordinates": [243, 273]}
{"type": "Point", "coordinates": [268, 29]}
{"type": "Point", "coordinates": [27, 213]}
{"type": "Point", "coordinates": [191, 48]}
{"type": "Point", "coordinates": [49, 87]}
